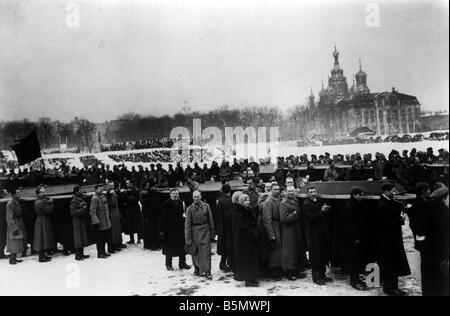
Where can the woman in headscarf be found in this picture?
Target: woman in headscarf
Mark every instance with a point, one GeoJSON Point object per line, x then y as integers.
{"type": "Point", "coordinates": [235, 201]}
{"type": "Point", "coordinates": [235, 197]}
{"type": "Point", "coordinates": [245, 236]}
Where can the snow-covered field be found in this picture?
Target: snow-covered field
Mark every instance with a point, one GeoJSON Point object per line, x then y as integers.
{"type": "Point", "coordinates": [135, 271]}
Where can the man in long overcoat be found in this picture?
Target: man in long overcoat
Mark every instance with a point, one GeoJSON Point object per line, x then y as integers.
{"type": "Point", "coordinates": [355, 236]}
{"type": "Point", "coordinates": [115, 218]}
{"type": "Point", "coordinates": [224, 244]}
{"type": "Point", "coordinates": [434, 245]}
{"type": "Point", "coordinates": [292, 250]}
{"type": "Point", "coordinates": [16, 238]}
{"type": "Point", "coordinates": [150, 211]}
{"type": "Point", "coordinates": [43, 232]}
{"type": "Point", "coordinates": [100, 222]}
{"type": "Point", "coordinates": [3, 224]}
{"type": "Point", "coordinates": [80, 217]}
{"type": "Point", "coordinates": [391, 251]}
{"type": "Point", "coordinates": [315, 212]}
{"type": "Point", "coordinates": [172, 229]}
{"type": "Point", "coordinates": [199, 228]}
{"type": "Point", "coordinates": [132, 213]}
{"type": "Point", "coordinates": [272, 232]}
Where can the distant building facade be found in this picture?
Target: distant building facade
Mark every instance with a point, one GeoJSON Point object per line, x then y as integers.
{"type": "Point", "coordinates": [340, 109]}
{"type": "Point", "coordinates": [435, 121]}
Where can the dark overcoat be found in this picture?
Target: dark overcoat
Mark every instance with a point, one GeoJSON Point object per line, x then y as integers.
{"type": "Point", "coordinates": [272, 229]}
{"type": "Point", "coordinates": [356, 228]}
{"type": "Point", "coordinates": [172, 226]}
{"type": "Point", "coordinates": [151, 212]}
{"type": "Point", "coordinates": [292, 250]}
{"type": "Point", "coordinates": [223, 210]}
{"type": "Point", "coordinates": [245, 236]}
{"type": "Point", "coordinates": [391, 251]}
{"type": "Point", "coordinates": [115, 217]}
{"type": "Point", "coordinates": [435, 249]}
{"type": "Point", "coordinates": [80, 221]}
{"type": "Point", "coordinates": [318, 233]}
{"type": "Point", "coordinates": [43, 232]}
{"type": "Point", "coordinates": [417, 217]}
{"type": "Point", "coordinates": [132, 212]}
{"type": "Point", "coordinates": [16, 238]}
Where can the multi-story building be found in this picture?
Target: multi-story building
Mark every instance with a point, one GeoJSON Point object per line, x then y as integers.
{"type": "Point", "coordinates": [341, 109]}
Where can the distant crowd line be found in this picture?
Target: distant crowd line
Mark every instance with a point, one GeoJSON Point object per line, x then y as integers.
{"type": "Point", "coordinates": [168, 143]}
{"type": "Point", "coordinates": [405, 168]}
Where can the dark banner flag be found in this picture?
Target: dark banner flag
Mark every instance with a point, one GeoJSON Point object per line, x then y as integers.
{"type": "Point", "coordinates": [27, 149]}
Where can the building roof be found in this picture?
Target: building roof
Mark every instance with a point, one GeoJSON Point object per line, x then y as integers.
{"type": "Point", "coordinates": [361, 99]}
{"type": "Point", "coordinates": [400, 96]}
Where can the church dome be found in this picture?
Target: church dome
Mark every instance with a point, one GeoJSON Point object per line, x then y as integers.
{"type": "Point", "coordinates": [311, 96]}
{"type": "Point", "coordinates": [322, 91]}
{"type": "Point", "coordinates": [360, 76]}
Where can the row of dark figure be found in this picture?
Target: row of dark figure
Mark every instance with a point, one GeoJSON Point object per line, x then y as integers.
{"type": "Point", "coordinates": [260, 234]}
{"type": "Point", "coordinates": [405, 172]}
{"type": "Point", "coordinates": [271, 233]}
{"type": "Point", "coordinates": [102, 220]}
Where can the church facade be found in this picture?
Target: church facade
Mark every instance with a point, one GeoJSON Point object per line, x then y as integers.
{"type": "Point", "coordinates": [339, 109]}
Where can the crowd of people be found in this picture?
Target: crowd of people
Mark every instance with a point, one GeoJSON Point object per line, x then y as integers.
{"type": "Point", "coordinates": [406, 138]}
{"type": "Point", "coordinates": [262, 234]}
{"type": "Point", "coordinates": [140, 144]}
{"type": "Point", "coordinates": [163, 156]}
{"type": "Point", "coordinates": [351, 140]}
{"type": "Point", "coordinates": [439, 136]}
{"type": "Point", "coordinates": [406, 168]}
{"type": "Point", "coordinates": [348, 140]}
{"type": "Point", "coordinates": [146, 157]}
{"type": "Point", "coordinates": [307, 143]}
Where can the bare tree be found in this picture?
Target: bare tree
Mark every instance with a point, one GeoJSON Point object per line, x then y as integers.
{"type": "Point", "coordinates": [85, 132]}
{"type": "Point", "coordinates": [46, 132]}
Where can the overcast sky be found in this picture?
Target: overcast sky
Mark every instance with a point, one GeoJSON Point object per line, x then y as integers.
{"type": "Point", "coordinates": [154, 57]}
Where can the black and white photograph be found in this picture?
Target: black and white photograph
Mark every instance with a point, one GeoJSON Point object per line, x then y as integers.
{"type": "Point", "coordinates": [224, 152]}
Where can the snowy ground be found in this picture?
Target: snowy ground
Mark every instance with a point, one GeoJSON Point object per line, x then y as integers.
{"type": "Point", "coordinates": [135, 271]}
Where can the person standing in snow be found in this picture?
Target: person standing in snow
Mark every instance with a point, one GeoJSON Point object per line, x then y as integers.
{"type": "Point", "coordinates": [172, 229]}
{"type": "Point", "coordinates": [392, 255]}
{"type": "Point", "coordinates": [199, 229]}
{"type": "Point", "coordinates": [16, 238]}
